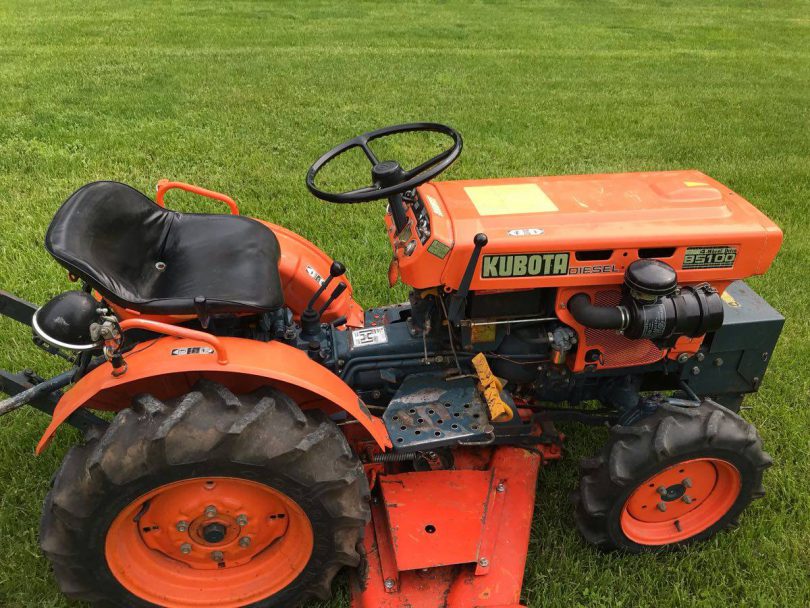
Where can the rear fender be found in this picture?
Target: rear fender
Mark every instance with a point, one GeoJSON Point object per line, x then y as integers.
{"type": "Point", "coordinates": [169, 367]}
{"type": "Point", "coordinates": [302, 268]}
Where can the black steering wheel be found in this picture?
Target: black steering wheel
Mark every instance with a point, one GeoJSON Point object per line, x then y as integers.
{"type": "Point", "coordinates": [388, 178]}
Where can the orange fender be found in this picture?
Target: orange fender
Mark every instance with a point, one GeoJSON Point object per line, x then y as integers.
{"type": "Point", "coordinates": [302, 266]}
{"type": "Point", "coordinates": [167, 368]}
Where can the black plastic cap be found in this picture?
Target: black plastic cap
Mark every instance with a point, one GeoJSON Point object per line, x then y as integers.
{"type": "Point", "coordinates": [651, 278]}
{"type": "Point", "coordinates": [480, 239]}
{"type": "Point", "coordinates": [337, 269]}
{"type": "Point", "coordinates": [387, 173]}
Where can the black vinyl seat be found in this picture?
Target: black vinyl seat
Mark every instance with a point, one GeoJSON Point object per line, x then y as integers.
{"type": "Point", "coordinates": [153, 260]}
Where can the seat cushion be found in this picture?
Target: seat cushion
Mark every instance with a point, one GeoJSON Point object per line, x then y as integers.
{"type": "Point", "coordinates": [150, 259]}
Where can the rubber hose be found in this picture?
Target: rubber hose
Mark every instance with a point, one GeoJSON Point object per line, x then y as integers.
{"type": "Point", "coordinates": [596, 317]}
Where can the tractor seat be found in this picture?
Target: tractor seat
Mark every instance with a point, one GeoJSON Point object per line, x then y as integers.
{"type": "Point", "coordinates": [152, 260]}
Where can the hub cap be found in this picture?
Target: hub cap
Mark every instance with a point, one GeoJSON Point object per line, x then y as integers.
{"type": "Point", "coordinates": [211, 541]}
{"type": "Point", "coordinates": [680, 501]}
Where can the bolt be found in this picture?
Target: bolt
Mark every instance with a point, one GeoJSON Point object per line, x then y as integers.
{"type": "Point", "coordinates": [217, 556]}
{"type": "Point", "coordinates": [662, 506]}
{"type": "Point", "coordinates": [764, 356]}
{"type": "Point", "coordinates": [683, 358]}
{"type": "Point", "coordinates": [244, 542]}
{"type": "Point", "coordinates": [718, 362]}
{"type": "Point", "coordinates": [389, 583]}
{"type": "Point", "coordinates": [500, 487]}
{"type": "Point", "coordinates": [686, 499]}
{"type": "Point", "coordinates": [210, 511]}
{"type": "Point", "coordinates": [242, 520]}
{"type": "Point", "coordinates": [687, 482]}
{"type": "Point", "coordinates": [483, 562]}
{"type": "Point", "coordinates": [695, 370]}
{"type": "Point", "coordinates": [700, 356]}
{"type": "Point", "coordinates": [185, 548]}
{"type": "Point", "coordinates": [182, 526]}
{"type": "Point", "coordinates": [661, 490]}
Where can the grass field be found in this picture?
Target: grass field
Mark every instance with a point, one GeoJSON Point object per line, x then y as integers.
{"type": "Point", "coordinates": [242, 97]}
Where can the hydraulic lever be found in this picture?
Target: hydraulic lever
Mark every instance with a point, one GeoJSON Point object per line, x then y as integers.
{"type": "Point", "coordinates": [311, 318]}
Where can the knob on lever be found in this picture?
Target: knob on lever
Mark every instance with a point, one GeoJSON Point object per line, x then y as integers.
{"type": "Point", "coordinates": [310, 318]}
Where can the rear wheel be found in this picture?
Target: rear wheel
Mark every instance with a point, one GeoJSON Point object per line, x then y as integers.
{"type": "Point", "coordinates": [677, 476]}
{"type": "Point", "coordinates": [210, 499]}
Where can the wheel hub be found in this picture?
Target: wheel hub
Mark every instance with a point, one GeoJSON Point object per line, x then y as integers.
{"type": "Point", "coordinates": [214, 533]}
{"type": "Point", "coordinates": [673, 492]}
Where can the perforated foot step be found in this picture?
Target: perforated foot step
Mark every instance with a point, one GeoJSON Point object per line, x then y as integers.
{"type": "Point", "coordinates": [429, 412]}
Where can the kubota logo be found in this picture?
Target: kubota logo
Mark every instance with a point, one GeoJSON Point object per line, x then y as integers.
{"type": "Point", "coordinates": [528, 265]}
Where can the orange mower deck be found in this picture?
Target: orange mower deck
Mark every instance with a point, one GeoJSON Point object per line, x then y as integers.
{"type": "Point", "coordinates": [452, 539]}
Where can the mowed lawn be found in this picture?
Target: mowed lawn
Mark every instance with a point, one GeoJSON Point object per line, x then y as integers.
{"type": "Point", "coordinates": [242, 97]}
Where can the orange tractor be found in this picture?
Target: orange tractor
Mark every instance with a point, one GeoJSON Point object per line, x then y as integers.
{"type": "Point", "coordinates": [269, 432]}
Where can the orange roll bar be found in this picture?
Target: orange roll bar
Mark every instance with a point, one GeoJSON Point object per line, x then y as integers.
{"type": "Point", "coordinates": [165, 185]}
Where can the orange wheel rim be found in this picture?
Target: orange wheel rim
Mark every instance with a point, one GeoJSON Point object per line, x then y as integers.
{"type": "Point", "coordinates": [209, 541]}
{"type": "Point", "coordinates": [681, 501]}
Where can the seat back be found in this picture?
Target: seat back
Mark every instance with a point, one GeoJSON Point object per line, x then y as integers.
{"type": "Point", "coordinates": [147, 258]}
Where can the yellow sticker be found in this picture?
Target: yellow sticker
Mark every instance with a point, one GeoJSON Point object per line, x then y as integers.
{"type": "Point", "coordinates": [511, 199]}
{"type": "Point", "coordinates": [694, 184]}
{"type": "Point", "coordinates": [729, 299]}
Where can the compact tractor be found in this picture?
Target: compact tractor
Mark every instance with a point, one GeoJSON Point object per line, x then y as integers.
{"type": "Point", "coordinates": [266, 431]}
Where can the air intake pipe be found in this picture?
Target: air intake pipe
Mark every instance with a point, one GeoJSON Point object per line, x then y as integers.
{"type": "Point", "coordinates": [653, 307]}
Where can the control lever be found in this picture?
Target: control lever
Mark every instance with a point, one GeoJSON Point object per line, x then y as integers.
{"type": "Point", "coordinates": [310, 318]}
{"type": "Point", "coordinates": [335, 295]}
{"type": "Point", "coordinates": [458, 299]}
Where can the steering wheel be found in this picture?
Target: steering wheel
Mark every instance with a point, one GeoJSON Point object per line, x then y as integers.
{"type": "Point", "coordinates": [388, 178]}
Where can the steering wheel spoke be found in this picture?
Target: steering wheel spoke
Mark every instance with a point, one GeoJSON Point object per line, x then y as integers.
{"type": "Point", "coordinates": [363, 143]}
{"type": "Point", "coordinates": [388, 177]}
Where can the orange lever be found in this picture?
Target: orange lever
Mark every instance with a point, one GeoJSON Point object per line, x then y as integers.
{"type": "Point", "coordinates": [164, 185]}
{"type": "Point", "coordinates": [178, 332]}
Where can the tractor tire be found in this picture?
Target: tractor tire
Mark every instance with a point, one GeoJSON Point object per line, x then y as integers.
{"type": "Point", "coordinates": [678, 476]}
{"type": "Point", "coordinates": [157, 510]}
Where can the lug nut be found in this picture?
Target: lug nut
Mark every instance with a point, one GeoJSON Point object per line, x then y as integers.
{"type": "Point", "coordinates": [210, 511]}
{"type": "Point", "coordinates": [242, 520]}
{"type": "Point", "coordinates": [217, 556]}
{"type": "Point", "coordinates": [185, 548]}
{"type": "Point", "coordinates": [182, 526]}
{"type": "Point", "coordinates": [244, 542]}
{"type": "Point", "coordinates": [661, 490]}
{"type": "Point", "coordinates": [687, 483]}
{"type": "Point", "coordinates": [662, 506]}
{"type": "Point", "coordinates": [686, 499]}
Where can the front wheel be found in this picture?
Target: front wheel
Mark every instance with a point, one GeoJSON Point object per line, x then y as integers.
{"type": "Point", "coordinates": [677, 476]}
{"type": "Point", "coordinates": [210, 499]}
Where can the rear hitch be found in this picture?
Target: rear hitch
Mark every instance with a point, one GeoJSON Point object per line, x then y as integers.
{"type": "Point", "coordinates": [16, 308]}
{"type": "Point", "coordinates": [28, 389]}
{"type": "Point", "coordinates": [38, 390]}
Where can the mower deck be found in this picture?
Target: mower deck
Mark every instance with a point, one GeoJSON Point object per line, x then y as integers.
{"type": "Point", "coordinates": [452, 538]}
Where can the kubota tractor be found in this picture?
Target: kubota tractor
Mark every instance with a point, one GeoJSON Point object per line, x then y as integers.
{"type": "Point", "coordinates": [268, 431]}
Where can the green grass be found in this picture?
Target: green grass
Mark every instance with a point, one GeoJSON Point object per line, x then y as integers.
{"type": "Point", "coordinates": [242, 97]}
